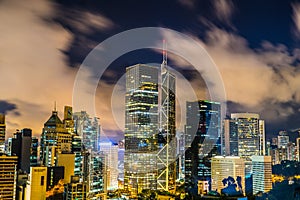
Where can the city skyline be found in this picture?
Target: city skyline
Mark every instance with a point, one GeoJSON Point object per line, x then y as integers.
{"type": "Point", "coordinates": [174, 99]}
{"type": "Point", "coordinates": [239, 41]}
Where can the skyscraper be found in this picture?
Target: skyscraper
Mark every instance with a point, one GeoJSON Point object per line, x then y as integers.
{"type": "Point", "coordinates": [298, 148]}
{"type": "Point", "coordinates": [230, 138]}
{"type": "Point", "coordinates": [283, 139]}
{"type": "Point", "coordinates": [166, 156]}
{"type": "Point", "coordinates": [262, 173]}
{"type": "Point", "coordinates": [2, 132]}
{"type": "Point", "coordinates": [34, 152]}
{"type": "Point", "coordinates": [97, 175]}
{"type": "Point", "coordinates": [68, 119]}
{"type": "Point", "coordinates": [203, 127]}
{"type": "Point", "coordinates": [251, 137]}
{"type": "Point", "coordinates": [66, 160]}
{"type": "Point", "coordinates": [76, 189]}
{"type": "Point", "coordinates": [21, 147]}
{"type": "Point", "coordinates": [223, 168]}
{"type": "Point", "coordinates": [111, 151]}
{"type": "Point", "coordinates": [55, 138]}
{"type": "Point", "coordinates": [8, 176]}
{"type": "Point", "coordinates": [141, 128]}
{"type": "Point", "coordinates": [36, 184]}
{"type": "Point", "coordinates": [88, 129]}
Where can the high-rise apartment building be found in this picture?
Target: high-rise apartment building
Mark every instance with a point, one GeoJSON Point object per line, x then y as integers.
{"type": "Point", "coordinates": [203, 127]}
{"type": "Point", "coordinates": [224, 167]}
{"type": "Point", "coordinates": [8, 176]}
{"type": "Point", "coordinates": [262, 174]}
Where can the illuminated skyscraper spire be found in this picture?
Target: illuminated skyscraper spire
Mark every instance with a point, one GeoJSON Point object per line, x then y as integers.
{"type": "Point", "coordinates": [166, 138]}
{"type": "Point", "coordinates": [165, 58]}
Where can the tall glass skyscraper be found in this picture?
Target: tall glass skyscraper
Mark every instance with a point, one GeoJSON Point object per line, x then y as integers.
{"type": "Point", "coordinates": [230, 138]}
{"type": "Point", "coordinates": [88, 128]}
{"type": "Point", "coordinates": [141, 128]}
{"type": "Point", "coordinates": [150, 133]}
{"type": "Point", "coordinates": [166, 156]}
{"type": "Point", "coordinates": [251, 137]}
{"type": "Point", "coordinates": [262, 173]}
{"type": "Point", "coordinates": [203, 127]}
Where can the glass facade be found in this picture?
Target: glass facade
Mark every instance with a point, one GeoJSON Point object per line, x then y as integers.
{"type": "Point", "coordinates": [251, 137]}
{"type": "Point", "coordinates": [203, 127]}
{"type": "Point", "coordinates": [88, 128]}
{"type": "Point", "coordinates": [141, 128]}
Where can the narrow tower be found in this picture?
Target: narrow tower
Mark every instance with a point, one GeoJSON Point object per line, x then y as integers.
{"type": "Point", "coordinates": [166, 156]}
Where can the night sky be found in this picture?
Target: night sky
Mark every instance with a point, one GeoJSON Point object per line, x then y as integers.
{"type": "Point", "coordinates": [254, 44]}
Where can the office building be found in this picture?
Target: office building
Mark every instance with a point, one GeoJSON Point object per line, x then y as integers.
{"type": "Point", "coordinates": [21, 147]}
{"type": "Point", "coordinates": [223, 168]}
{"type": "Point", "coordinates": [111, 151]}
{"type": "Point", "coordinates": [180, 154]}
{"type": "Point", "coordinates": [230, 138]}
{"type": "Point", "coordinates": [98, 175]}
{"type": "Point", "coordinates": [54, 175]}
{"type": "Point", "coordinates": [251, 137]}
{"type": "Point", "coordinates": [34, 152]}
{"type": "Point", "coordinates": [68, 119]}
{"type": "Point", "coordinates": [36, 185]}
{"type": "Point", "coordinates": [77, 149]}
{"type": "Point", "coordinates": [88, 129]}
{"type": "Point", "coordinates": [203, 127]}
{"type": "Point", "coordinates": [2, 132]}
{"type": "Point", "coordinates": [67, 160]}
{"type": "Point", "coordinates": [291, 151]}
{"type": "Point", "coordinates": [203, 187]}
{"type": "Point", "coordinates": [166, 156]}
{"type": "Point", "coordinates": [76, 189]}
{"type": "Point", "coordinates": [298, 148]}
{"type": "Point", "coordinates": [141, 128]}
{"type": "Point", "coordinates": [262, 174]}
{"type": "Point", "coordinates": [55, 139]}
{"type": "Point", "coordinates": [283, 139]}
{"type": "Point", "coordinates": [82, 159]}
{"type": "Point", "coordinates": [8, 176]}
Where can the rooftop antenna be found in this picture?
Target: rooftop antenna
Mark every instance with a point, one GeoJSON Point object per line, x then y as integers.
{"type": "Point", "coordinates": [55, 106]}
{"type": "Point", "coordinates": [165, 57]}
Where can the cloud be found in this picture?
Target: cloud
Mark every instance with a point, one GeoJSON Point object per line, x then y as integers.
{"type": "Point", "coordinates": [296, 18]}
{"type": "Point", "coordinates": [34, 70]}
{"type": "Point", "coordinates": [264, 80]}
{"type": "Point", "coordinates": [224, 10]}
{"type": "Point", "coordinates": [83, 21]}
{"type": "Point", "coordinates": [188, 3]}
{"type": "Point", "coordinates": [6, 107]}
